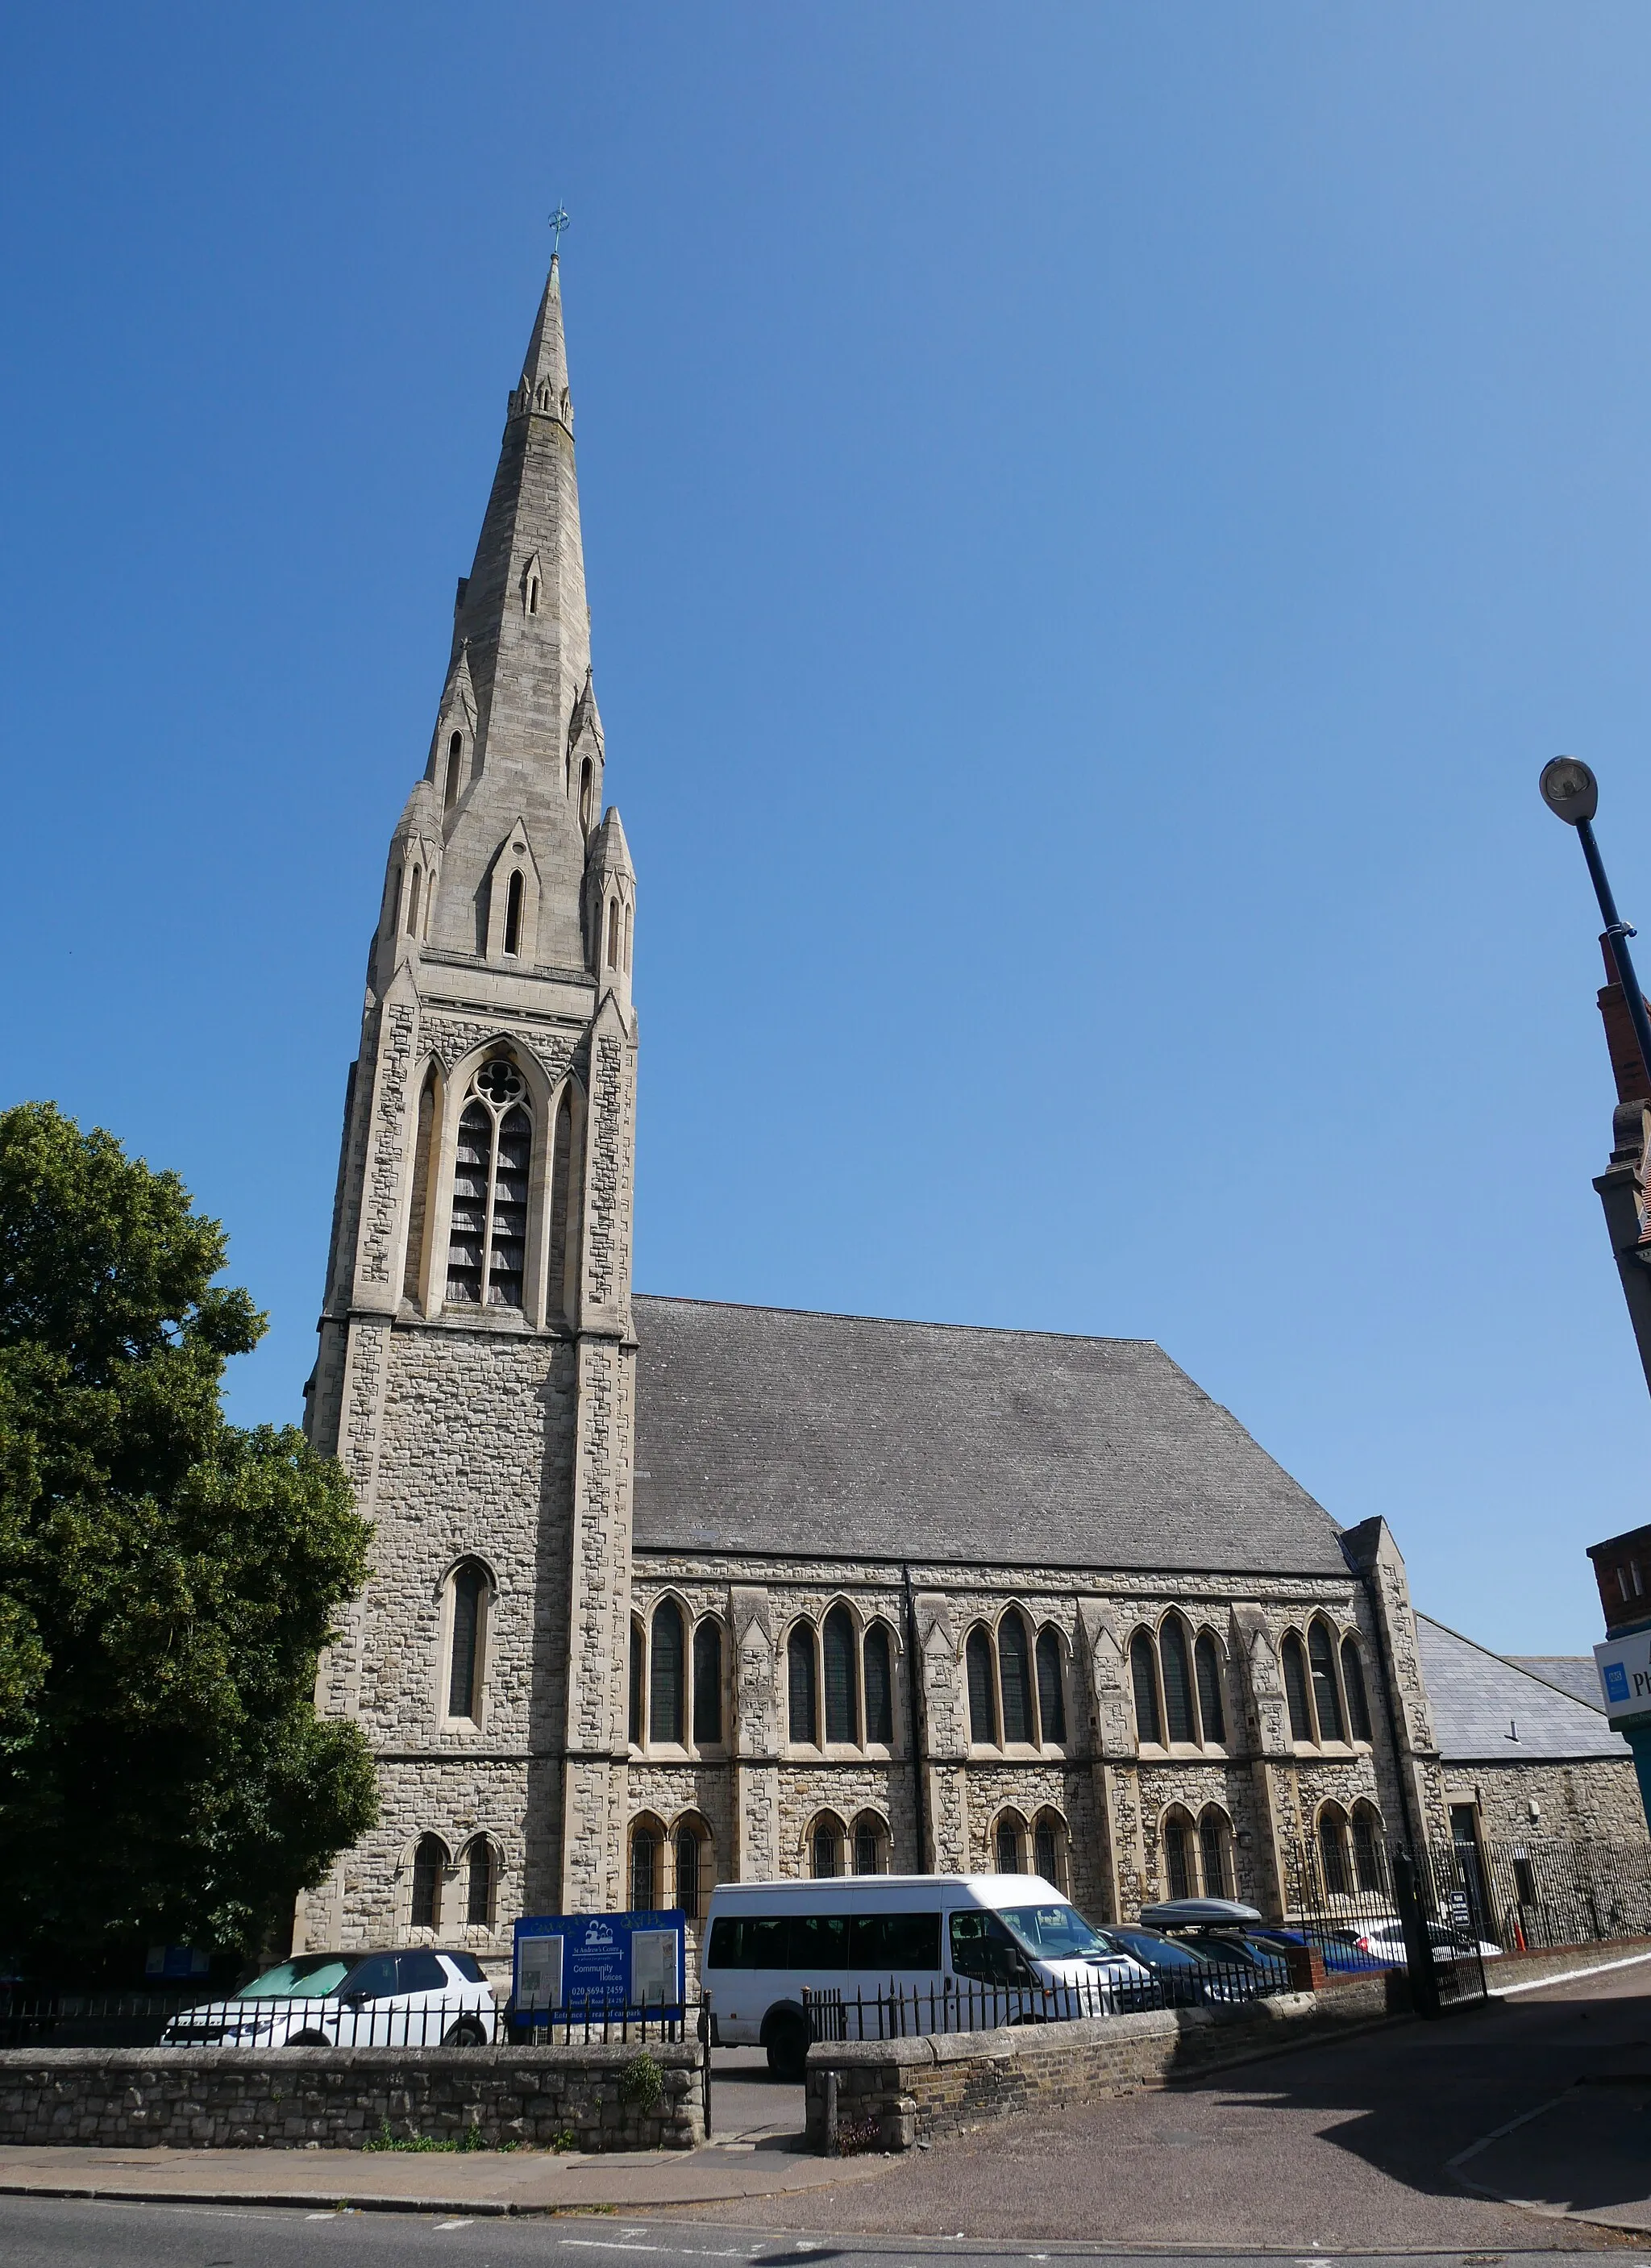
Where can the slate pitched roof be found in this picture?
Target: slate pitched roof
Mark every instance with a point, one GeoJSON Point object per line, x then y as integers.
{"type": "Point", "coordinates": [1477, 1696]}
{"type": "Point", "coordinates": [770, 1431]}
{"type": "Point", "coordinates": [1576, 1674]}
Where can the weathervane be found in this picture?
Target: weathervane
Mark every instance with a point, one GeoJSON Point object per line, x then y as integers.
{"type": "Point", "coordinates": [559, 222]}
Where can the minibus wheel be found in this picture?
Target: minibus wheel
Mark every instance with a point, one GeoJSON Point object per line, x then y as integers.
{"type": "Point", "coordinates": [785, 2036]}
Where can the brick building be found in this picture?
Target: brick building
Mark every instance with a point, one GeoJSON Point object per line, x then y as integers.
{"type": "Point", "coordinates": [667, 1591]}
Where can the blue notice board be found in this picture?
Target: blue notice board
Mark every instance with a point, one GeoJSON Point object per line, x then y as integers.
{"type": "Point", "coordinates": [569, 1963]}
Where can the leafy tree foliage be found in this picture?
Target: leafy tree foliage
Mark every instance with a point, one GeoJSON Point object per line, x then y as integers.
{"type": "Point", "coordinates": [167, 1579]}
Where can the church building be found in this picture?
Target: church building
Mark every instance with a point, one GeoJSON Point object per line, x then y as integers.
{"type": "Point", "coordinates": [669, 1592]}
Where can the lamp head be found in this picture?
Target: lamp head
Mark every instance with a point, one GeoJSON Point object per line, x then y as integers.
{"type": "Point", "coordinates": [1570, 790]}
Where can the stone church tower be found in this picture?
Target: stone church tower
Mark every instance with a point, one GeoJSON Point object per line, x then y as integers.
{"type": "Point", "coordinates": [477, 1368]}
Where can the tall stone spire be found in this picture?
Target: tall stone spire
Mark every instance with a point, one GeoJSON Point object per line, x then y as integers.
{"type": "Point", "coordinates": [523, 623]}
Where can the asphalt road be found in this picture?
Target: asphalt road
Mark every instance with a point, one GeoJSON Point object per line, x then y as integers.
{"type": "Point", "coordinates": [61, 2233]}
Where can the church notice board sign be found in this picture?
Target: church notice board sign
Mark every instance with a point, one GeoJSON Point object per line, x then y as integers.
{"type": "Point", "coordinates": [1625, 1675]}
{"type": "Point", "coordinates": [566, 1963]}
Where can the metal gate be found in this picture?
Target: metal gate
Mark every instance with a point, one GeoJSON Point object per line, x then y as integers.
{"type": "Point", "coordinates": [1366, 1905]}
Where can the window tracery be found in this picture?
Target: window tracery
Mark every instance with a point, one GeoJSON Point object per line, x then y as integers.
{"type": "Point", "coordinates": [488, 1234]}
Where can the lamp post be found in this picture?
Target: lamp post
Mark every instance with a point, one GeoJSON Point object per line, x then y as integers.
{"type": "Point", "coordinates": [1571, 792]}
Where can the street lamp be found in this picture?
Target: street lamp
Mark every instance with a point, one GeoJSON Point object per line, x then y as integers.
{"type": "Point", "coordinates": [1571, 792]}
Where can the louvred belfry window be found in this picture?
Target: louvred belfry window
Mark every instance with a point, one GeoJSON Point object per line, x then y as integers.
{"type": "Point", "coordinates": [488, 1239]}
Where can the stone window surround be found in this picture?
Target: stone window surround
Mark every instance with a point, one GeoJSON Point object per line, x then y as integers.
{"type": "Point", "coordinates": [814, 1624]}
{"type": "Point", "coordinates": [477, 1724]}
{"type": "Point", "coordinates": [451, 1927]}
{"type": "Point", "coordinates": [539, 1309]}
{"type": "Point", "coordinates": [847, 1832]}
{"type": "Point", "coordinates": [690, 1820]}
{"type": "Point", "coordinates": [1339, 1636]}
{"type": "Point", "coordinates": [1210, 1813]}
{"type": "Point", "coordinates": [1034, 1628]}
{"type": "Point", "coordinates": [1025, 1831]}
{"type": "Point", "coordinates": [1192, 1632]}
{"type": "Point", "coordinates": [641, 1633]}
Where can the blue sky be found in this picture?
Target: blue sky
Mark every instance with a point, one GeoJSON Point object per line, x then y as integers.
{"type": "Point", "coordinates": [1096, 517]}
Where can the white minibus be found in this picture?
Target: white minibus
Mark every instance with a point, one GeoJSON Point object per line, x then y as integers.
{"type": "Point", "coordinates": [1009, 1945]}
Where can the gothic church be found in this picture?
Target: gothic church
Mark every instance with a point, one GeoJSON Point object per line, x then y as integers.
{"type": "Point", "coordinates": [669, 1592]}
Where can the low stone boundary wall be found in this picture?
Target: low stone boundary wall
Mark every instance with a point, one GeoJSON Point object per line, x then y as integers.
{"type": "Point", "coordinates": [889, 2094]}
{"type": "Point", "coordinates": [340, 2098]}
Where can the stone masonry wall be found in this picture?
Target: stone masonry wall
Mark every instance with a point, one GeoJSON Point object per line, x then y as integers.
{"type": "Point", "coordinates": [916, 2090]}
{"type": "Point", "coordinates": [237, 2098]}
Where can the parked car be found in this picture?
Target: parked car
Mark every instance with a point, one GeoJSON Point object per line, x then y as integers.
{"type": "Point", "coordinates": [412, 1997]}
{"type": "Point", "coordinates": [1384, 1941]}
{"type": "Point", "coordinates": [1340, 1956]}
{"type": "Point", "coordinates": [1222, 1931]}
{"type": "Point", "coordinates": [1185, 1973]}
{"type": "Point", "coordinates": [945, 1951]}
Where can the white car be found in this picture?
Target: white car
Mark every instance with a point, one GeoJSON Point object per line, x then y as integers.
{"type": "Point", "coordinates": [1384, 1940]}
{"type": "Point", "coordinates": [413, 1997]}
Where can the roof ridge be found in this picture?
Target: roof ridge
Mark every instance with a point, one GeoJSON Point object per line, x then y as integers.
{"type": "Point", "coordinates": [902, 1322]}
{"type": "Point", "coordinates": [1507, 1661]}
{"type": "Point", "coordinates": [1522, 1664]}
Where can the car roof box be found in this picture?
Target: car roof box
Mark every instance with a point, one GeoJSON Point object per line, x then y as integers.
{"type": "Point", "coordinates": [1200, 1913]}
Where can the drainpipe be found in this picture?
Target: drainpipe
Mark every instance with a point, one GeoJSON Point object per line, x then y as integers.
{"type": "Point", "coordinates": [914, 1716]}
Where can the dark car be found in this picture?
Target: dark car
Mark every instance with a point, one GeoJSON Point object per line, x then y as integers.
{"type": "Point", "coordinates": [1185, 1974]}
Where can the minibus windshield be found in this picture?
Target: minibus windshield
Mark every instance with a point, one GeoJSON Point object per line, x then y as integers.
{"type": "Point", "coordinates": [1058, 1933]}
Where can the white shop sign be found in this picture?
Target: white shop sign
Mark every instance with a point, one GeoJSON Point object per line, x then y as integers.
{"type": "Point", "coordinates": [1625, 1675]}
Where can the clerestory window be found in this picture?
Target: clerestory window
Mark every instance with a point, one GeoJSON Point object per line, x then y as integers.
{"type": "Point", "coordinates": [488, 1238]}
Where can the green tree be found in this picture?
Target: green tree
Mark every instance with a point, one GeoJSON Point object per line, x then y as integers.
{"type": "Point", "coordinates": [167, 1579]}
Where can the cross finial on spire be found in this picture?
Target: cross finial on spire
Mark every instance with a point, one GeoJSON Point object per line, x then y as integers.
{"type": "Point", "coordinates": [559, 222]}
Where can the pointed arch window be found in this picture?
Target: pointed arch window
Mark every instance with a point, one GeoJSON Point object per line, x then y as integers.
{"type": "Point", "coordinates": [418, 1210]}
{"type": "Point", "coordinates": [1293, 1662]}
{"type": "Point", "coordinates": [799, 1676]}
{"type": "Point", "coordinates": [627, 953]}
{"type": "Point", "coordinates": [708, 1683]}
{"type": "Point", "coordinates": [1353, 1685]}
{"type": "Point", "coordinates": [455, 756]}
{"type": "Point", "coordinates": [488, 1233]}
{"type": "Point", "coordinates": [560, 1197]}
{"type": "Point", "coordinates": [478, 1885]}
{"type": "Point", "coordinates": [1321, 1654]}
{"type": "Point", "coordinates": [1206, 1659]}
{"type": "Point", "coordinates": [1009, 1843]}
{"type": "Point", "coordinates": [664, 1674]}
{"type": "Point", "coordinates": [469, 1587]}
{"type": "Point", "coordinates": [842, 1695]}
{"type": "Point", "coordinates": [1177, 1681]}
{"type": "Point", "coordinates": [1368, 1857]}
{"type": "Point", "coordinates": [639, 1683]}
{"type": "Point", "coordinates": [513, 914]}
{"type": "Point", "coordinates": [1177, 1856]}
{"type": "Point", "coordinates": [588, 779]}
{"type": "Point", "coordinates": [1014, 1678]}
{"type": "Point", "coordinates": [983, 1716]}
{"type": "Point", "coordinates": [647, 1842]}
{"type": "Point", "coordinates": [1143, 1678]}
{"type": "Point", "coordinates": [1051, 1697]}
{"type": "Point", "coordinates": [1332, 1844]}
{"type": "Point", "coordinates": [613, 932]}
{"type": "Point", "coordinates": [825, 1847]}
{"type": "Point", "coordinates": [430, 1866]}
{"type": "Point", "coordinates": [412, 901]}
{"type": "Point", "coordinates": [880, 1688]}
{"type": "Point", "coordinates": [871, 1844]}
{"type": "Point", "coordinates": [1049, 1848]}
{"type": "Point", "coordinates": [1215, 1845]}
{"type": "Point", "coordinates": [691, 1843]}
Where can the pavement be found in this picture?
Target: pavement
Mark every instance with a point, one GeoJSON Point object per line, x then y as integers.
{"type": "Point", "coordinates": [1366, 2145]}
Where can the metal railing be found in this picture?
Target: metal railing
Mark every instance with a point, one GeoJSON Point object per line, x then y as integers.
{"type": "Point", "coordinates": [902, 2012]}
{"type": "Point", "coordinates": [33, 2017]}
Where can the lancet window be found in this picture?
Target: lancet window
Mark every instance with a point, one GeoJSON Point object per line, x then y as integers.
{"type": "Point", "coordinates": [487, 1239]}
